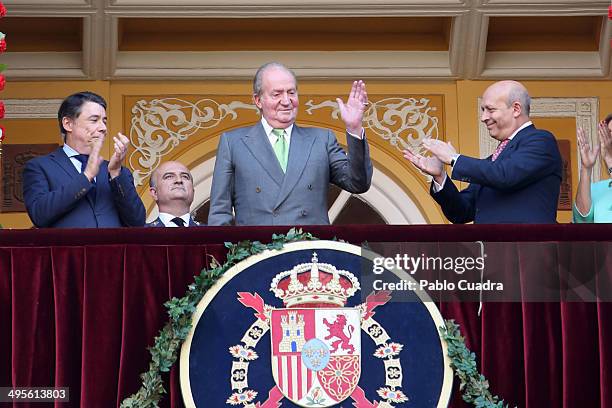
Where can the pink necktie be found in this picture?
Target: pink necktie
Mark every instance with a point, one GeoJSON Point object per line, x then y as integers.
{"type": "Point", "coordinates": [499, 149]}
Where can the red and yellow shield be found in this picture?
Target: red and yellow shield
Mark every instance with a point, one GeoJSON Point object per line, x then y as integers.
{"type": "Point", "coordinates": [316, 354]}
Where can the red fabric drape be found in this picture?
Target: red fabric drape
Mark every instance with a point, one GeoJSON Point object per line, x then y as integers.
{"type": "Point", "coordinates": [78, 309]}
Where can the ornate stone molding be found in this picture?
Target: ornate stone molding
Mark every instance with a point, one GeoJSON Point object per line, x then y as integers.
{"type": "Point", "coordinates": [159, 125]}
{"type": "Point", "coordinates": [31, 108]}
{"type": "Point", "coordinates": [584, 110]}
{"type": "Point", "coordinates": [402, 122]}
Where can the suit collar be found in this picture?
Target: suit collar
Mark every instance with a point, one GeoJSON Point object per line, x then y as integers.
{"type": "Point", "coordinates": [268, 129]}
{"type": "Point", "coordinates": [167, 218]}
{"type": "Point", "coordinates": [300, 146]}
{"type": "Point", "coordinates": [513, 144]}
{"type": "Point", "coordinates": [158, 223]}
{"type": "Point", "coordinates": [59, 156]}
{"type": "Point", "coordinates": [299, 152]}
{"type": "Point", "coordinates": [259, 145]}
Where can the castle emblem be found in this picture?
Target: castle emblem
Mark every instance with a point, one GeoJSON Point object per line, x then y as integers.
{"type": "Point", "coordinates": [315, 341]}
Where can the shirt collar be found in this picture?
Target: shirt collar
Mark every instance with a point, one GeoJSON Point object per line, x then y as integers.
{"type": "Point", "coordinates": [268, 129]}
{"type": "Point", "coordinates": [523, 126]}
{"type": "Point", "coordinates": [166, 219]}
{"type": "Point", "coordinates": [70, 152]}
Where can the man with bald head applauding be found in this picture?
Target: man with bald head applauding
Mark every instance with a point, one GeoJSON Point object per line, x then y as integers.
{"type": "Point", "coordinates": [518, 183]}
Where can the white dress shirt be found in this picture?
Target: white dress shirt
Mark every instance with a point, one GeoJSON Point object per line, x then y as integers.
{"type": "Point", "coordinates": [272, 137]}
{"type": "Point", "coordinates": [166, 219]}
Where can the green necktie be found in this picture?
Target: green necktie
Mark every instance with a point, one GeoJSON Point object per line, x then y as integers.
{"type": "Point", "coordinates": [280, 148]}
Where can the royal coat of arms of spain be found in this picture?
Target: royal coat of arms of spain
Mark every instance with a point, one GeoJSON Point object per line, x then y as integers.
{"type": "Point", "coordinates": [315, 344]}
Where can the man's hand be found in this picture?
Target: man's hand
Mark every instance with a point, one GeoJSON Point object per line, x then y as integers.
{"type": "Point", "coordinates": [588, 156]}
{"type": "Point", "coordinates": [605, 142]}
{"type": "Point", "coordinates": [430, 165]}
{"type": "Point", "coordinates": [442, 150]}
{"type": "Point", "coordinates": [94, 161]}
{"type": "Point", "coordinates": [351, 112]}
{"type": "Point", "coordinates": [116, 160]}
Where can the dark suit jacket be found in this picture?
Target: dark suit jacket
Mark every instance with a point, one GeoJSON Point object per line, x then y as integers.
{"type": "Point", "coordinates": [249, 180]}
{"type": "Point", "coordinates": [158, 223]}
{"type": "Point", "coordinates": [57, 195]}
{"type": "Point", "coordinates": [521, 186]}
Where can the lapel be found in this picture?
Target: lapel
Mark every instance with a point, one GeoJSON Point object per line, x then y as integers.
{"type": "Point", "coordinates": [61, 159]}
{"type": "Point", "coordinates": [513, 144]}
{"type": "Point", "coordinates": [156, 223]}
{"type": "Point", "coordinates": [259, 145]}
{"type": "Point", "coordinates": [59, 156]}
{"type": "Point", "coordinates": [299, 152]}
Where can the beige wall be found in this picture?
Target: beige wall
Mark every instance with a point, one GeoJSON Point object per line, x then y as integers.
{"type": "Point", "coordinates": [458, 120]}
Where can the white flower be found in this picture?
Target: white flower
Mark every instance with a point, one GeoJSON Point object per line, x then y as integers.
{"type": "Point", "coordinates": [243, 353]}
{"type": "Point", "coordinates": [392, 395]}
{"type": "Point", "coordinates": [388, 350]}
{"type": "Point", "coordinates": [244, 397]}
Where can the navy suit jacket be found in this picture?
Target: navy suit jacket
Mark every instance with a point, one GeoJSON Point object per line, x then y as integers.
{"type": "Point", "coordinates": [57, 195]}
{"type": "Point", "coordinates": [249, 181]}
{"type": "Point", "coordinates": [521, 186]}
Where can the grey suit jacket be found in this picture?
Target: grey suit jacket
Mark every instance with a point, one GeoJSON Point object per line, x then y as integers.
{"type": "Point", "coordinates": [249, 180]}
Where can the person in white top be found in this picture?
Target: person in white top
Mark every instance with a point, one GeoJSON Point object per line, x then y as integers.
{"type": "Point", "coordinates": [171, 186]}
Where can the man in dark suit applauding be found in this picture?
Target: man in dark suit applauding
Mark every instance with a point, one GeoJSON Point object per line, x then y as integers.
{"type": "Point", "coordinates": [518, 183]}
{"type": "Point", "coordinates": [74, 186]}
{"type": "Point", "coordinates": [171, 186]}
{"type": "Point", "coordinates": [278, 173]}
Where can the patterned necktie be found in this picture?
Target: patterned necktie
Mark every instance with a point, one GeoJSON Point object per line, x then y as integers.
{"type": "Point", "coordinates": [280, 148]}
{"type": "Point", "coordinates": [499, 149]}
{"type": "Point", "coordinates": [178, 221]}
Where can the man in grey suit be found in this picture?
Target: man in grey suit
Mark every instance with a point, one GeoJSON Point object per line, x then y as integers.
{"type": "Point", "coordinates": [277, 173]}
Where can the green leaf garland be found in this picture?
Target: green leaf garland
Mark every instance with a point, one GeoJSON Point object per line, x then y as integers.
{"type": "Point", "coordinates": [164, 353]}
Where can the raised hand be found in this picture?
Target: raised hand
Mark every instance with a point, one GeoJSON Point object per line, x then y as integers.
{"type": "Point", "coordinates": [93, 163]}
{"type": "Point", "coordinates": [351, 112]}
{"type": "Point", "coordinates": [588, 156]}
{"type": "Point", "coordinates": [605, 142]}
{"type": "Point", "coordinates": [120, 151]}
{"type": "Point", "coordinates": [427, 164]}
{"type": "Point", "coordinates": [442, 150]}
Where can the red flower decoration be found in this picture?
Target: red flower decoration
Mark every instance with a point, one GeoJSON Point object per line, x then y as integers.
{"type": "Point", "coordinates": [1, 109]}
{"type": "Point", "coordinates": [1, 134]}
{"type": "Point", "coordinates": [2, 82]}
{"type": "Point", "coordinates": [2, 45]}
{"type": "Point", "coordinates": [2, 10]}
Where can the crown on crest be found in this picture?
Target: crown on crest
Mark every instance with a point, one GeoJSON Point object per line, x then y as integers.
{"type": "Point", "coordinates": [314, 283]}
